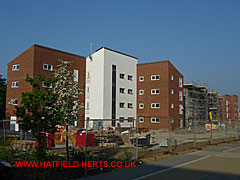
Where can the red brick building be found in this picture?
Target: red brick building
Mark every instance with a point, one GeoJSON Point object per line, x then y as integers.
{"type": "Point", "coordinates": [34, 61]}
{"type": "Point", "coordinates": [160, 96]}
{"type": "Point", "coordinates": [229, 108]}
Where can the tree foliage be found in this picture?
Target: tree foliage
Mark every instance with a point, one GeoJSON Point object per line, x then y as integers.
{"type": "Point", "coordinates": [37, 109]}
{"type": "Point", "coordinates": [3, 87]}
{"type": "Point", "coordinates": [68, 91]}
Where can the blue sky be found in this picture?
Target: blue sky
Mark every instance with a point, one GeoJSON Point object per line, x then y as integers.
{"type": "Point", "coordinates": [200, 37]}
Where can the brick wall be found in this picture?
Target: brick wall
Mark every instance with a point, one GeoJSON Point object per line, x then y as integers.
{"type": "Point", "coordinates": [165, 69]}
{"type": "Point", "coordinates": [31, 61]}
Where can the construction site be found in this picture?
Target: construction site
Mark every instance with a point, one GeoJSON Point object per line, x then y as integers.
{"type": "Point", "coordinates": [199, 101]}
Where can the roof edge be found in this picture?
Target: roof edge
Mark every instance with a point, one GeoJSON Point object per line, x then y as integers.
{"type": "Point", "coordinates": [52, 49]}
{"type": "Point", "coordinates": [103, 47]}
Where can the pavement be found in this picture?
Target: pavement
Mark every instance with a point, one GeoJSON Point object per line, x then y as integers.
{"type": "Point", "coordinates": [220, 163]}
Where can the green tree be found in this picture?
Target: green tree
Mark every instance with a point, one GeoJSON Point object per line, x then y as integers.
{"type": "Point", "coordinates": [38, 111]}
{"type": "Point", "coordinates": [2, 97]}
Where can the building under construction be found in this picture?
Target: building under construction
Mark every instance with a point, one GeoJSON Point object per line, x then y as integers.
{"type": "Point", "coordinates": [198, 102]}
{"type": "Point", "coordinates": [214, 105]}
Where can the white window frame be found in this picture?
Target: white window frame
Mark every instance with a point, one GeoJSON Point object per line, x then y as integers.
{"type": "Point", "coordinates": [43, 84]}
{"type": "Point", "coordinates": [75, 75]}
{"type": "Point", "coordinates": [15, 84]}
{"type": "Point", "coordinates": [154, 105]}
{"type": "Point", "coordinates": [12, 102]}
{"type": "Point", "coordinates": [141, 78]}
{"type": "Point", "coordinates": [15, 67]}
{"type": "Point", "coordinates": [172, 77]}
{"type": "Point", "coordinates": [48, 65]}
{"type": "Point", "coordinates": [180, 82]}
{"type": "Point", "coordinates": [180, 109]}
{"type": "Point", "coordinates": [154, 77]}
{"type": "Point", "coordinates": [172, 91]}
{"type": "Point", "coordinates": [13, 121]}
{"type": "Point", "coordinates": [180, 96]}
{"type": "Point", "coordinates": [141, 92]}
{"type": "Point", "coordinates": [180, 123]}
{"type": "Point", "coordinates": [154, 120]}
{"type": "Point", "coordinates": [141, 119]}
{"type": "Point", "coordinates": [141, 106]}
{"type": "Point", "coordinates": [154, 91]}
{"type": "Point", "coordinates": [172, 106]}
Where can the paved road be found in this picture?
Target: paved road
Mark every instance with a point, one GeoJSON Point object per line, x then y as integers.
{"type": "Point", "coordinates": [221, 163]}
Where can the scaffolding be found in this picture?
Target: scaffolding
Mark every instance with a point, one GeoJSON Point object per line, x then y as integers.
{"type": "Point", "coordinates": [196, 104]}
{"type": "Point", "coordinates": [214, 105]}
{"type": "Point", "coordinates": [199, 101]}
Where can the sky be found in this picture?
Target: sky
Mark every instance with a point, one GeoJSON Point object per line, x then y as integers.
{"type": "Point", "coordinates": [200, 37]}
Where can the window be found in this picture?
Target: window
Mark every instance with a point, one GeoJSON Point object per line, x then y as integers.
{"type": "Point", "coordinates": [122, 76]}
{"type": "Point", "coordinates": [13, 102]}
{"type": "Point", "coordinates": [155, 77]}
{"type": "Point", "coordinates": [180, 123]}
{"type": "Point", "coordinates": [121, 105]}
{"type": "Point", "coordinates": [141, 78]}
{"type": "Point", "coordinates": [88, 75]}
{"type": "Point", "coordinates": [88, 92]}
{"type": "Point", "coordinates": [130, 77]}
{"type": "Point", "coordinates": [75, 104]}
{"type": "Point", "coordinates": [44, 84]}
{"type": "Point", "coordinates": [130, 91]}
{"type": "Point", "coordinates": [130, 105]}
{"type": "Point", "coordinates": [121, 119]}
{"type": "Point", "coordinates": [15, 67]}
{"type": "Point", "coordinates": [172, 91]}
{"type": "Point", "coordinates": [48, 67]}
{"type": "Point", "coordinates": [155, 120]}
{"type": "Point", "coordinates": [13, 125]}
{"type": "Point", "coordinates": [75, 123]}
{"type": "Point", "coordinates": [180, 109]}
{"type": "Point", "coordinates": [180, 96]}
{"type": "Point", "coordinates": [172, 106]}
{"type": "Point", "coordinates": [141, 106]}
{"type": "Point", "coordinates": [172, 120]}
{"type": "Point", "coordinates": [141, 119]}
{"type": "Point", "coordinates": [15, 84]}
{"type": "Point", "coordinates": [141, 92]}
{"type": "Point", "coordinates": [130, 119]}
{"type": "Point", "coordinates": [172, 77]}
{"type": "Point", "coordinates": [122, 90]}
{"type": "Point", "coordinates": [155, 91]}
{"type": "Point", "coordinates": [180, 82]}
{"type": "Point", "coordinates": [155, 105]}
{"type": "Point", "coordinates": [75, 75]}
{"type": "Point", "coordinates": [87, 105]}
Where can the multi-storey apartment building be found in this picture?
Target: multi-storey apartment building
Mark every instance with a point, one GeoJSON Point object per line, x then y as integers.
{"type": "Point", "coordinates": [111, 87]}
{"type": "Point", "coordinates": [160, 96]}
{"type": "Point", "coordinates": [34, 61]}
{"type": "Point", "coordinates": [229, 108]}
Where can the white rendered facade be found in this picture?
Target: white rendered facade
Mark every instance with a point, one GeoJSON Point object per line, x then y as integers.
{"type": "Point", "coordinates": [103, 69]}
